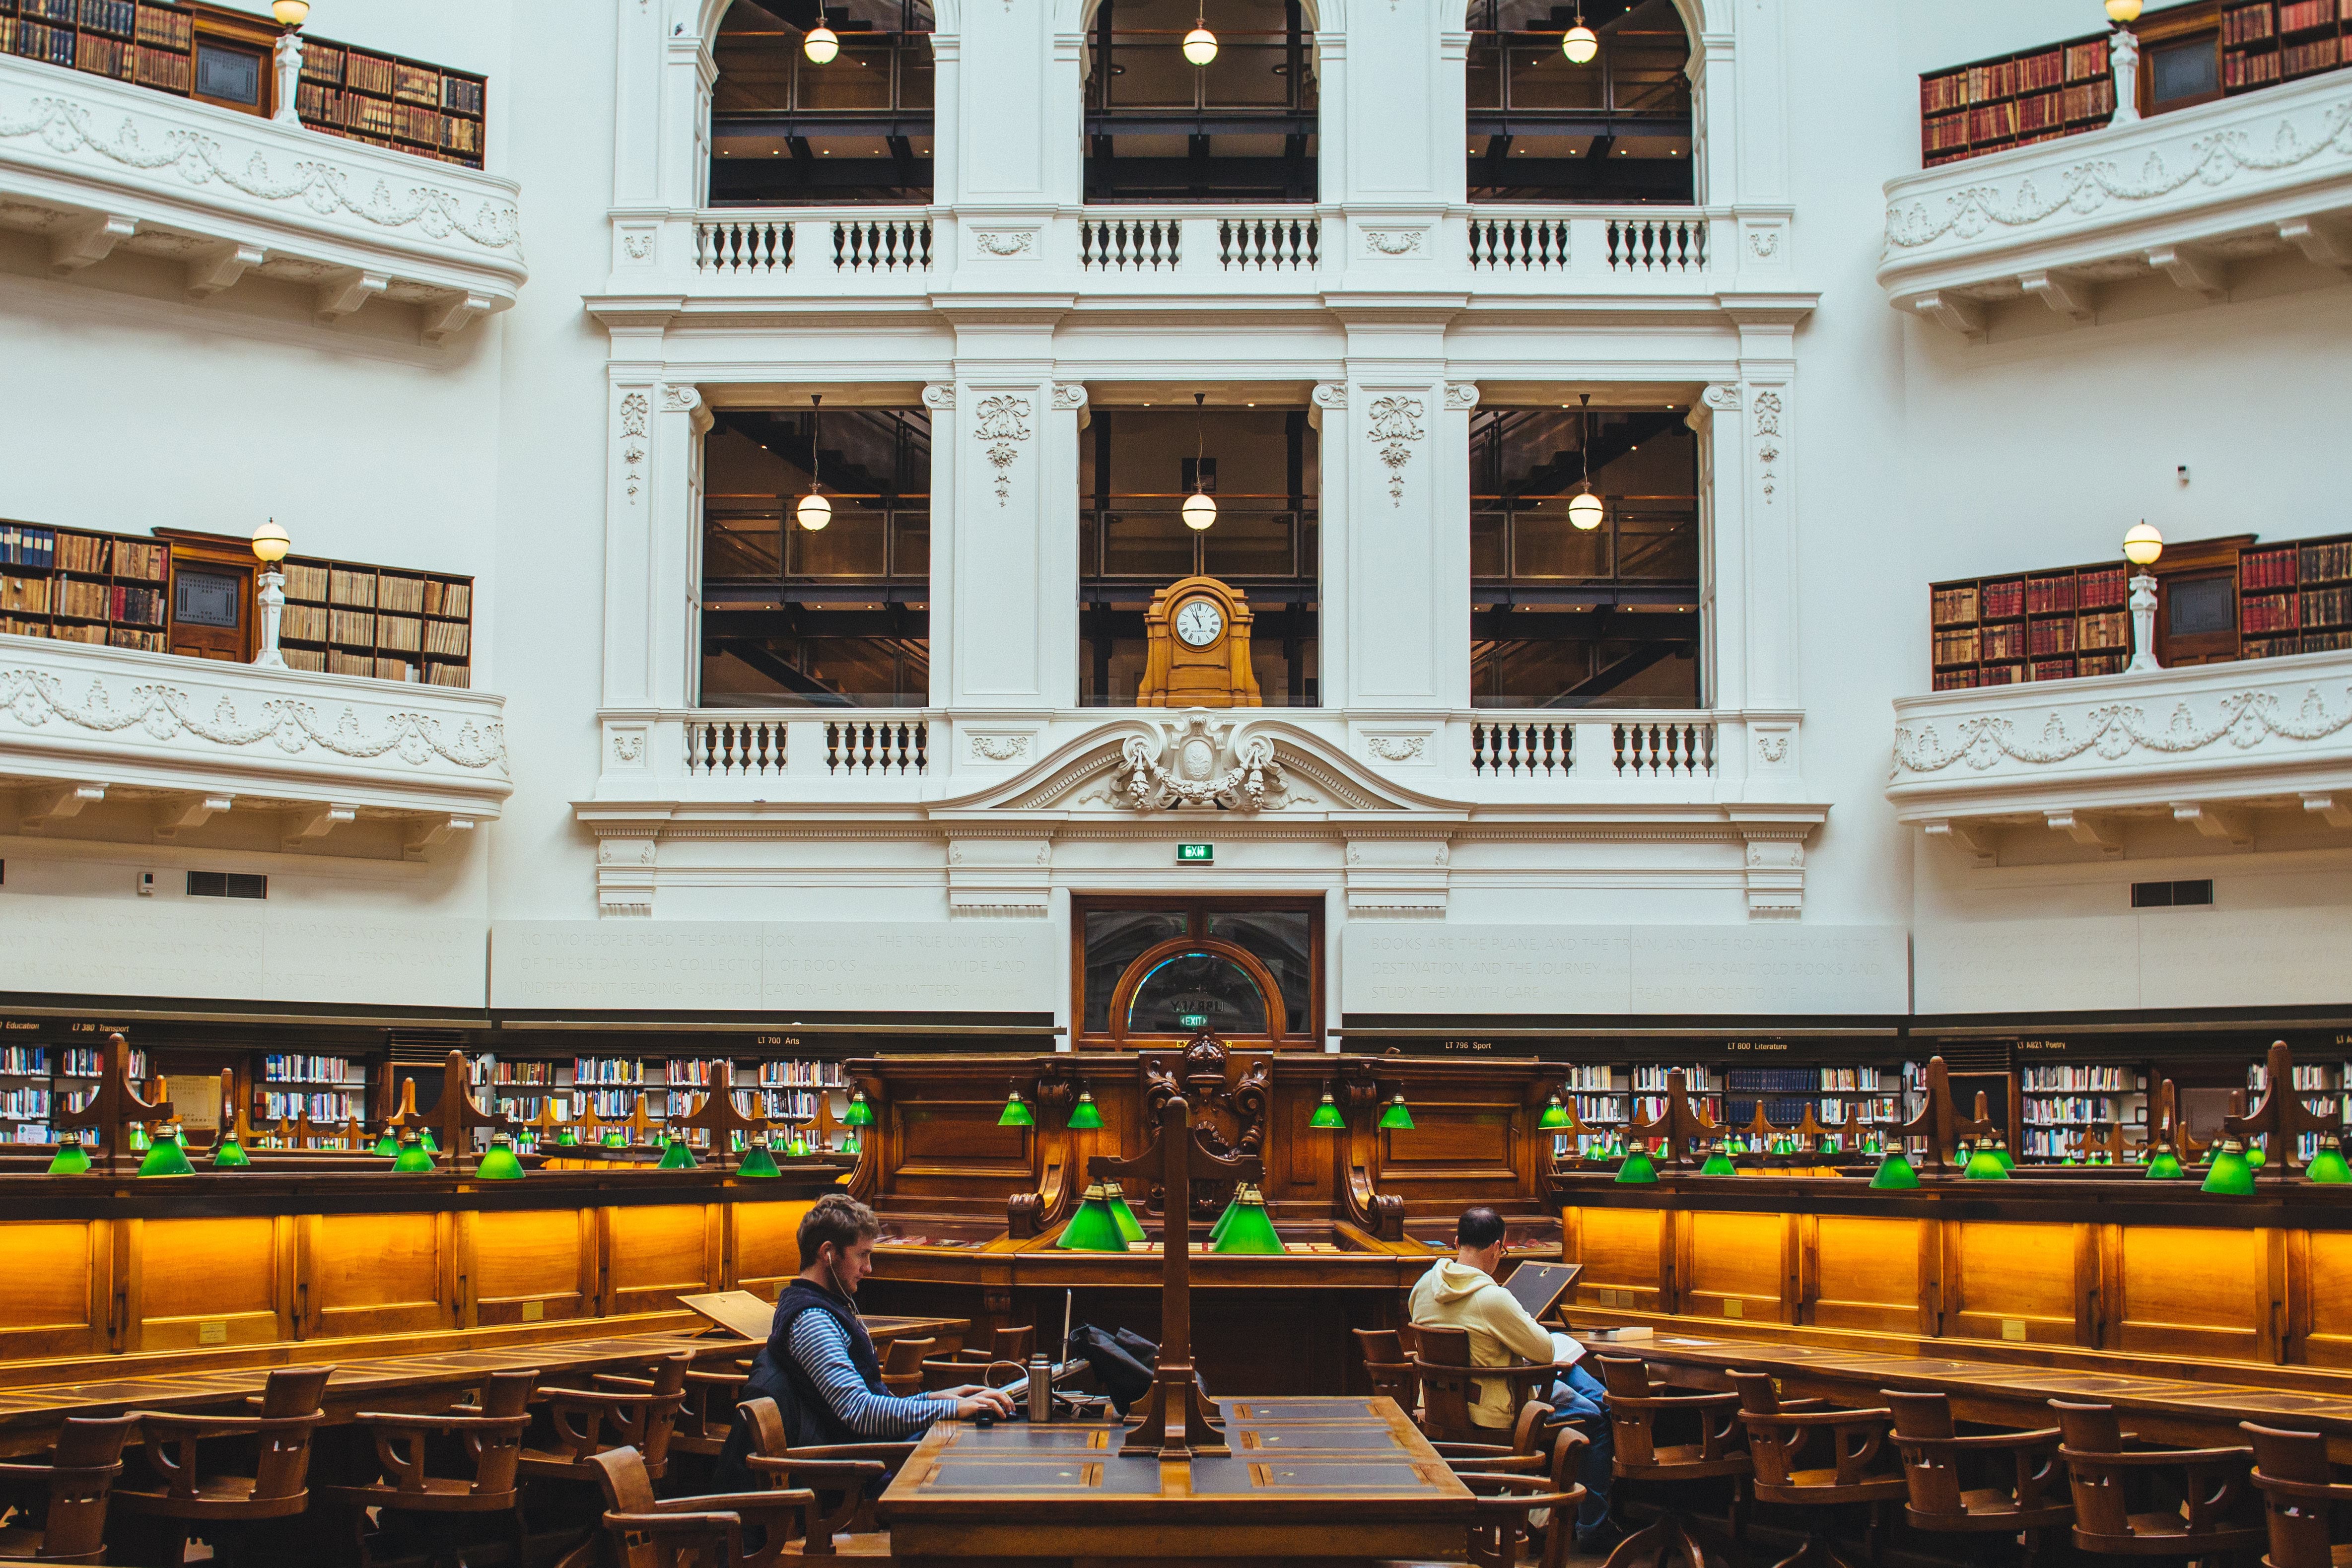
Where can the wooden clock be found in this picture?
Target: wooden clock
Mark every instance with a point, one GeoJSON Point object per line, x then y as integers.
{"type": "Point", "coordinates": [1197, 636]}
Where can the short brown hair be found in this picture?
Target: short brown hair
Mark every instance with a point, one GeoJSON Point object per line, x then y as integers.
{"type": "Point", "coordinates": [839, 1218]}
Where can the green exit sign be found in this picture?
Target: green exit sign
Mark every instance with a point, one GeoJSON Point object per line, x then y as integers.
{"type": "Point", "coordinates": [1195, 854]}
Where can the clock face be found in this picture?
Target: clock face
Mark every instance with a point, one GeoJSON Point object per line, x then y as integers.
{"type": "Point", "coordinates": [1199, 623]}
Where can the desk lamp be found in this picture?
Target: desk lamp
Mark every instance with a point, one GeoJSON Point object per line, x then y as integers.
{"type": "Point", "coordinates": [71, 1159]}
{"type": "Point", "coordinates": [414, 1159]}
{"type": "Point", "coordinates": [2165, 1165]}
{"type": "Point", "coordinates": [2329, 1167]}
{"type": "Point", "coordinates": [2232, 1174]}
{"type": "Point", "coordinates": [1250, 1229]}
{"type": "Point", "coordinates": [165, 1157]}
{"type": "Point", "coordinates": [757, 1161]}
{"type": "Point", "coordinates": [1094, 1227]}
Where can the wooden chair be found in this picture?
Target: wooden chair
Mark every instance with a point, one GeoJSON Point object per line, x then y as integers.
{"type": "Point", "coordinates": [641, 1413]}
{"type": "Point", "coordinates": [848, 1470]}
{"type": "Point", "coordinates": [67, 1494]}
{"type": "Point", "coordinates": [1390, 1366]}
{"type": "Point", "coordinates": [939, 1374]}
{"type": "Point", "coordinates": [1861, 1472]}
{"type": "Point", "coordinates": [1530, 1451]}
{"type": "Point", "coordinates": [692, 1531]}
{"type": "Point", "coordinates": [2210, 1521]}
{"type": "Point", "coordinates": [2291, 1472]}
{"type": "Point", "coordinates": [1449, 1383]}
{"type": "Point", "coordinates": [1502, 1532]}
{"type": "Point", "coordinates": [1013, 1345]}
{"type": "Point", "coordinates": [490, 1437]}
{"type": "Point", "coordinates": [180, 1494]}
{"type": "Point", "coordinates": [902, 1364]}
{"type": "Point", "coordinates": [2023, 1501]}
{"type": "Point", "coordinates": [699, 1427]}
{"type": "Point", "coordinates": [1635, 1407]}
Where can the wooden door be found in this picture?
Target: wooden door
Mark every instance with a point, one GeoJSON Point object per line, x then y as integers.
{"type": "Point", "coordinates": [2197, 617]}
{"type": "Point", "coordinates": [213, 610]}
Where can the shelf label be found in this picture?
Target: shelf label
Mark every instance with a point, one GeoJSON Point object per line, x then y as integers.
{"type": "Point", "coordinates": [1196, 855]}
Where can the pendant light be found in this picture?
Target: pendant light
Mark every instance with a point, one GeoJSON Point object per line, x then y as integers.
{"type": "Point", "coordinates": [228, 1154]}
{"type": "Point", "coordinates": [859, 1115]}
{"type": "Point", "coordinates": [412, 1159]}
{"type": "Point", "coordinates": [758, 1162]}
{"type": "Point", "coordinates": [1094, 1227]}
{"type": "Point", "coordinates": [1555, 1115]}
{"type": "Point", "coordinates": [2229, 1175]}
{"type": "Point", "coordinates": [822, 43]}
{"type": "Point", "coordinates": [1894, 1173]}
{"type": "Point", "coordinates": [1718, 1161]}
{"type": "Point", "coordinates": [1326, 1117]}
{"type": "Point", "coordinates": [1397, 1117]}
{"type": "Point", "coordinates": [72, 1158]}
{"type": "Point", "coordinates": [1584, 507]}
{"type": "Point", "coordinates": [815, 511]}
{"type": "Point", "coordinates": [2329, 1167]}
{"type": "Point", "coordinates": [1084, 1116]}
{"type": "Point", "coordinates": [1580, 43]}
{"type": "Point", "coordinates": [2122, 11]}
{"type": "Point", "coordinates": [500, 1164]}
{"type": "Point", "coordinates": [1249, 1228]}
{"type": "Point", "coordinates": [1016, 1112]}
{"type": "Point", "coordinates": [1638, 1167]}
{"type": "Point", "coordinates": [1200, 506]}
{"type": "Point", "coordinates": [2165, 1165]}
{"type": "Point", "coordinates": [165, 1157]}
{"type": "Point", "coordinates": [1200, 44]}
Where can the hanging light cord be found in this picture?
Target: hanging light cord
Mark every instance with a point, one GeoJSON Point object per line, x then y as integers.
{"type": "Point", "coordinates": [1200, 479]}
{"type": "Point", "coordinates": [816, 454]}
{"type": "Point", "coordinates": [1584, 413]}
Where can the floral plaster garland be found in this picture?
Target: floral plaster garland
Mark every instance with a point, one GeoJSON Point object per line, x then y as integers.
{"type": "Point", "coordinates": [2247, 719]}
{"type": "Point", "coordinates": [34, 698]}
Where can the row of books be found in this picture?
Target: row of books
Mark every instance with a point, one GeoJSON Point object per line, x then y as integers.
{"type": "Point", "coordinates": [88, 1062]}
{"type": "Point", "coordinates": [38, 41]}
{"type": "Point", "coordinates": [2307, 1075]}
{"type": "Point", "coordinates": [2077, 1080]}
{"type": "Point", "coordinates": [98, 601]}
{"type": "Point", "coordinates": [827, 1074]}
{"type": "Point", "coordinates": [1590, 1077]}
{"type": "Point", "coordinates": [24, 1104]}
{"type": "Point", "coordinates": [92, 632]}
{"type": "Point", "coordinates": [490, 1070]}
{"type": "Point", "coordinates": [2302, 15]}
{"type": "Point", "coordinates": [324, 107]}
{"type": "Point", "coordinates": [1694, 1078]}
{"type": "Point", "coordinates": [2316, 55]}
{"type": "Point", "coordinates": [166, 28]}
{"type": "Point", "coordinates": [2066, 1111]}
{"type": "Point", "coordinates": [291, 1069]}
{"type": "Point", "coordinates": [358, 588]}
{"type": "Point", "coordinates": [23, 1061]}
{"type": "Point", "coordinates": [2242, 68]}
{"type": "Point", "coordinates": [273, 1104]}
{"type": "Point", "coordinates": [1800, 1079]}
{"type": "Point", "coordinates": [1872, 1108]}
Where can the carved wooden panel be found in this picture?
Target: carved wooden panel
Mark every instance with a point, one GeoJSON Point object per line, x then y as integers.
{"type": "Point", "coordinates": [536, 1265]}
{"type": "Point", "coordinates": [1620, 1249]}
{"type": "Point", "coordinates": [653, 1256]}
{"type": "Point", "coordinates": [209, 1281]}
{"type": "Point", "coordinates": [53, 1296]}
{"type": "Point", "coordinates": [2194, 1293]}
{"type": "Point", "coordinates": [1863, 1273]}
{"type": "Point", "coordinates": [767, 1245]}
{"type": "Point", "coordinates": [1732, 1264]}
{"type": "Point", "coordinates": [2010, 1281]}
{"type": "Point", "coordinates": [1454, 1153]}
{"type": "Point", "coordinates": [378, 1274]}
{"type": "Point", "coordinates": [942, 1144]}
{"type": "Point", "coordinates": [2325, 1284]}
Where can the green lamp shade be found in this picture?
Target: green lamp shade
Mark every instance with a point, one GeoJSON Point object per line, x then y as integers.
{"type": "Point", "coordinates": [849, 1143]}
{"type": "Point", "coordinates": [1248, 1227]}
{"type": "Point", "coordinates": [1217, 1231]}
{"type": "Point", "coordinates": [413, 1159]}
{"type": "Point", "coordinates": [757, 1161]}
{"type": "Point", "coordinates": [1894, 1173]}
{"type": "Point", "coordinates": [1718, 1162]}
{"type": "Point", "coordinates": [1129, 1226]}
{"type": "Point", "coordinates": [1327, 1115]}
{"type": "Point", "coordinates": [2255, 1156]}
{"type": "Point", "coordinates": [228, 1154]}
{"type": "Point", "coordinates": [2001, 1153]}
{"type": "Point", "coordinates": [388, 1145]}
{"type": "Point", "coordinates": [798, 1146]}
{"type": "Point", "coordinates": [167, 1159]}
{"type": "Point", "coordinates": [677, 1157]}
{"type": "Point", "coordinates": [1638, 1166]}
{"type": "Point", "coordinates": [500, 1164]}
{"type": "Point", "coordinates": [424, 1137]}
{"type": "Point", "coordinates": [1094, 1227]}
{"type": "Point", "coordinates": [1984, 1165]}
{"type": "Point", "coordinates": [1396, 1116]}
{"type": "Point", "coordinates": [859, 1115]}
{"type": "Point", "coordinates": [2329, 1167]}
{"type": "Point", "coordinates": [1084, 1116]}
{"type": "Point", "coordinates": [71, 1159]}
{"type": "Point", "coordinates": [1616, 1149]}
{"type": "Point", "coordinates": [617, 1140]}
{"type": "Point", "coordinates": [2232, 1174]}
{"type": "Point", "coordinates": [2166, 1165]}
{"type": "Point", "coordinates": [567, 1138]}
{"type": "Point", "coordinates": [139, 1140]}
{"type": "Point", "coordinates": [1555, 1115]}
{"type": "Point", "coordinates": [1016, 1114]}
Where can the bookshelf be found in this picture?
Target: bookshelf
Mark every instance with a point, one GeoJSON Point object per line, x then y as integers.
{"type": "Point", "coordinates": [2267, 41]}
{"type": "Point", "coordinates": [344, 618]}
{"type": "Point", "coordinates": [324, 1088]}
{"type": "Point", "coordinates": [1831, 1092]}
{"type": "Point", "coordinates": [2032, 626]}
{"type": "Point", "coordinates": [2013, 100]}
{"type": "Point", "coordinates": [2296, 598]}
{"type": "Point", "coordinates": [2320, 1085]}
{"type": "Point", "coordinates": [2057, 1104]}
{"type": "Point", "coordinates": [222, 56]}
{"type": "Point", "coordinates": [25, 1091]}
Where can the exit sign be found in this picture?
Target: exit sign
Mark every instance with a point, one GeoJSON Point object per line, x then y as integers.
{"type": "Point", "coordinates": [1195, 854]}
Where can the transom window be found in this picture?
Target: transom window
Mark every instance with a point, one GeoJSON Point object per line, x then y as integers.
{"type": "Point", "coordinates": [1150, 972]}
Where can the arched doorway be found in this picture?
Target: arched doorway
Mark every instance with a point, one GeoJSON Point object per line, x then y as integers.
{"type": "Point", "coordinates": [1149, 972]}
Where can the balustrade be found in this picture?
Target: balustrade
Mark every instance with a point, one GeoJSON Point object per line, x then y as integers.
{"type": "Point", "coordinates": [732, 747]}
{"type": "Point", "coordinates": [1615, 746]}
{"type": "Point", "coordinates": [1130, 245]}
{"type": "Point", "coordinates": [893, 747]}
{"type": "Point", "coordinates": [1523, 245]}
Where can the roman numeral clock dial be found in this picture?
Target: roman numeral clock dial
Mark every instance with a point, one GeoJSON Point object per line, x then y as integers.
{"type": "Point", "coordinates": [1199, 623]}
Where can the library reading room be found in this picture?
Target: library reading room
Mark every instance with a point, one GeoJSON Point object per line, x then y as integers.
{"type": "Point", "coordinates": [1470, 890]}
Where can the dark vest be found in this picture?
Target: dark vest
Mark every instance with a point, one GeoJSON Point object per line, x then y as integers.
{"type": "Point", "coordinates": [808, 1417]}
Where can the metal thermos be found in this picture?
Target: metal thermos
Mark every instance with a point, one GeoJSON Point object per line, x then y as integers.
{"type": "Point", "coordinates": [1041, 1388]}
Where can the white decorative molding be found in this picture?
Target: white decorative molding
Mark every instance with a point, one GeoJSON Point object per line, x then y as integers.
{"type": "Point", "coordinates": [2264, 171]}
{"type": "Point", "coordinates": [2196, 746]}
{"type": "Point", "coordinates": [1393, 424]}
{"type": "Point", "coordinates": [1330, 395]}
{"type": "Point", "coordinates": [638, 242]}
{"type": "Point", "coordinates": [1004, 242]}
{"type": "Point", "coordinates": [1775, 873]}
{"type": "Point", "coordinates": [1000, 421]}
{"type": "Point", "coordinates": [1461, 396]}
{"type": "Point", "coordinates": [1768, 441]}
{"type": "Point", "coordinates": [1069, 396]}
{"type": "Point", "coordinates": [634, 407]}
{"type": "Point", "coordinates": [1397, 748]}
{"type": "Point", "coordinates": [95, 164]}
{"type": "Point", "coordinates": [1764, 244]}
{"type": "Point", "coordinates": [676, 399]}
{"type": "Point", "coordinates": [1200, 761]}
{"type": "Point", "coordinates": [1000, 748]}
{"type": "Point", "coordinates": [940, 395]}
{"type": "Point", "coordinates": [1393, 242]}
{"type": "Point", "coordinates": [170, 727]}
{"type": "Point", "coordinates": [1723, 397]}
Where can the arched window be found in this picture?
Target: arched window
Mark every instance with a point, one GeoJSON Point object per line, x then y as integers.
{"type": "Point", "coordinates": [1151, 971]}
{"type": "Point", "coordinates": [1160, 128]}
{"type": "Point", "coordinates": [1544, 127]}
{"type": "Point", "coordinates": [790, 129]}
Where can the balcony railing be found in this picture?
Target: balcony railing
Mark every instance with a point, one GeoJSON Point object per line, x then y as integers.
{"type": "Point", "coordinates": [1613, 746]}
{"type": "Point", "coordinates": [759, 745]}
{"type": "Point", "coordinates": [186, 739]}
{"type": "Point", "coordinates": [731, 244]}
{"type": "Point", "coordinates": [2182, 196]}
{"type": "Point", "coordinates": [2215, 746]}
{"type": "Point", "coordinates": [92, 165]}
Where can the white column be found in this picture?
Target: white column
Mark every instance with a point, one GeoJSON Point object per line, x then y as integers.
{"type": "Point", "coordinates": [1405, 534]}
{"type": "Point", "coordinates": [1003, 526]}
{"type": "Point", "coordinates": [1714, 419]}
{"type": "Point", "coordinates": [1328, 417]}
{"type": "Point", "coordinates": [673, 574]}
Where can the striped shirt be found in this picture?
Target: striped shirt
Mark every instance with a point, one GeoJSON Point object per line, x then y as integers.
{"type": "Point", "coordinates": [821, 1345]}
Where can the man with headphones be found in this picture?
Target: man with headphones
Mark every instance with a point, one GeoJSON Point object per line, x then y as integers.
{"type": "Point", "coordinates": [819, 1364]}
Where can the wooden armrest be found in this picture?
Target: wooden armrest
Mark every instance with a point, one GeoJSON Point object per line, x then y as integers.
{"type": "Point", "coordinates": [1786, 1417]}
{"type": "Point", "coordinates": [833, 1475]}
{"type": "Point", "coordinates": [1465, 1450]}
{"type": "Point", "coordinates": [885, 1452]}
{"type": "Point", "coordinates": [2307, 1491]}
{"type": "Point", "coordinates": [712, 1380]}
{"type": "Point", "coordinates": [2041, 1438]}
{"type": "Point", "coordinates": [614, 1380]}
{"type": "Point", "coordinates": [47, 1472]}
{"type": "Point", "coordinates": [727, 1526]}
{"type": "Point", "coordinates": [1672, 1402]}
{"type": "Point", "coordinates": [736, 1501]}
{"type": "Point", "coordinates": [1477, 1464]}
{"type": "Point", "coordinates": [442, 1423]}
{"type": "Point", "coordinates": [160, 1423]}
{"type": "Point", "coordinates": [2150, 1459]}
{"type": "Point", "coordinates": [601, 1397]}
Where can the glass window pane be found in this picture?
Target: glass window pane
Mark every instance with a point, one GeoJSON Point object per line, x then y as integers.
{"type": "Point", "coordinates": [1116, 938]}
{"type": "Point", "coordinates": [851, 546]}
{"type": "Point", "coordinates": [1656, 546]}
{"type": "Point", "coordinates": [1543, 78]}
{"type": "Point", "coordinates": [1248, 75]}
{"type": "Point", "coordinates": [1544, 544]}
{"type": "Point", "coordinates": [1146, 544]}
{"type": "Point", "coordinates": [1206, 986]}
{"type": "Point", "coordinates": [1488, 537]}
{"type": "Point", "coordinates": [911, 544]}
{"type": "Point", "coordinates": [1249, 544]}
{"type": "Point", "coordinates": [1486, 71]}
{"type": "Point", "coordinates": [1281, 940]}
{"type": "Point", "coordinates": [739, 546]}
{"type": "Point", "coordinates": [916, 74]}
{"type": "Point", "coordinates": [2190, 68]}
{"type": "Point", "coordinates": [857, 78]}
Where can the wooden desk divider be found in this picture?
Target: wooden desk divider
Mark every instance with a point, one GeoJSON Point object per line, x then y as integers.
{"type": "Point", "coordinates": [1176, 1422]}
{"type": "Point", "coordinates": [1052, 1092]}
{"type": "Point", "coordinates": [549, 1124]}
{"type": "Point", "coordinates": [2114, 1144]}
{"type": "Point", "coordinates": [459, 1115]}
{"type": "Point", "coordinates": [1356, 1087]}
{"type": "Point", "coordinates": [1940, 1123]}
{"type": "Point", "coordinates": [2165, 1125]}
{"type": "Point", "coordinates": [2281, 1118]}
{"type": "Point", "coordinates": [111, 1111]}
{"type": "Point", "coordinates": [1679, 1125]}
{"type": "Point", "coordinates": [718, 1115]}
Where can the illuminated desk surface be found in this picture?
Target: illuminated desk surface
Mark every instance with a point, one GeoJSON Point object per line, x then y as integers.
{"type": "Point", "coordinates": [1328, 1480]}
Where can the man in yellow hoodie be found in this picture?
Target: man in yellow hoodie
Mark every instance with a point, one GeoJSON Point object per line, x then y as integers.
{"type": "Point", "coordinates": [1460, 1292]}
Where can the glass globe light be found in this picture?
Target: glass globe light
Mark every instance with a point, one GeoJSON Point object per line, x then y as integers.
{"type": "Point", "coordinates": [821, 45]}
{"type": "Point", "coordinates": [2143, 544]}
{"type": "Point", "coordinates": [1584, 511]}
{"type": "Point", "coordinates": [1580, 44]}
{"type": "Point", "coordinates": [2122, 11]}
{"type": "Point", "coordinates": [294, 13]}
{"type": "Point", "coordinates": [1200, 45]}
{"type": "Point", "coordinates": [814, 512]}
{"type": "Point", "coordinates": [270, 543]}
{"type": "Point", "coordinates": [1200, 511]}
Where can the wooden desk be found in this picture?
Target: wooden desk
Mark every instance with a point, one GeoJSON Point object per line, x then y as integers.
{"type": "Point", "coordinates": [1329, 1481]}
{"type": "Point", "coordinates": [2173, 1412]}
